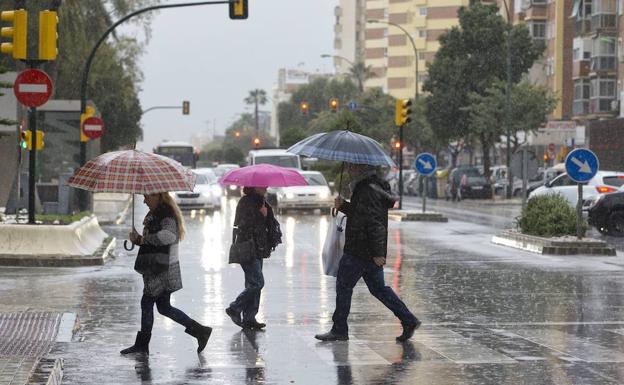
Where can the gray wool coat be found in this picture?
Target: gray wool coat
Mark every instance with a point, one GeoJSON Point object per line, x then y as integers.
{"type": "Point", "coordinates": [169, 280]}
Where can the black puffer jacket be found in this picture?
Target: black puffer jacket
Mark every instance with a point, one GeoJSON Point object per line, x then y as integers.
{"type": "Point", "coordinates": [251, 224]}
{"type": "Point", "coordinates": [366, 235]}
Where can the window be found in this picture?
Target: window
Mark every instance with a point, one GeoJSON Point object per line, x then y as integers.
{"type": "Point", "coordinates": [562, 180]}
{"type": "Point", "coordinates": [422, 33]}
{"type": "Point", "coordinates": [603, 93]}
{"type": "Point", "coordinates": [603, 55]}
{"type": "Point", "coordinates": [603, 6]}
{"type": "Point", "coordinates": [537, 29]}
{"type": "Point", "coordinates": [421, 56]}
{"type": "Point", "coordinates": [581, 89]}
{"type": "Point", "coordinates": [538, 2]}
{"type": "Point", "coordinates": [422, 11]}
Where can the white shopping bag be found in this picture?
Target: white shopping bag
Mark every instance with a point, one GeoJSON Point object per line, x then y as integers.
{"type": "Point", "coordinates": [334, 244]}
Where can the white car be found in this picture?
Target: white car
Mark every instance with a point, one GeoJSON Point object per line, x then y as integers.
{"type": "Point", "coordinates": [603, 182]}
{"type": "Point", "coordinates": [316, 195]}
{"type": "Point", "coordinates": [206, 194]}
{"type": "Point", "coordinates": [220, 170]}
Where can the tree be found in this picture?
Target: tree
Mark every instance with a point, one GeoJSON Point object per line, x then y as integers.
{"type": "Point", "coordinates": [6, 85]}
{"type": "Point", "coordinates": [360, 72]}
{"type": "Point", "coordinates": [256, 97]}
{"type": "Point", "coordinates": [471, 58]}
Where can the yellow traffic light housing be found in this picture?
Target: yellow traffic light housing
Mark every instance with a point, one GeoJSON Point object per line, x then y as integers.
{"type": "Point", "coordinates": [39, 143]}
{"type": "Point", "coordinates": [26, 139]}
{"type": "Point", "coordinates": [18, 33]}
{"type": "Point", "coordinates": [239, 9]}
{"type": "Point", "coordinates": [333, 104]}
{"type": "Point", "coordinates": [186, 107]}
{"type": "Point", "coordinates": [48, 35]}
{"type": "Point", "coordinates": [402, 112]}
{"type": "Point", "coordinates": [304, 107]}
{"type": "Point", "coordinates": [89, 112]}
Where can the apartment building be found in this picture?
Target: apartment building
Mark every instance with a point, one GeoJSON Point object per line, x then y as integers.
{"type": "Point", "coordinates": [349, 34]}
{"type": "Point", "coordinates": [389, 50]}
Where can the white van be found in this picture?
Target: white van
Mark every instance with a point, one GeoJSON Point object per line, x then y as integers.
{"type": "Point", "coordinates": [275, 157]}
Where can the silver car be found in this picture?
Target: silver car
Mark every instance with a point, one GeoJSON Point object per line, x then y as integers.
{"type": "Point", "coordinates": [316, 195]}
{"type": "Point", "coordinates": [206, 194]}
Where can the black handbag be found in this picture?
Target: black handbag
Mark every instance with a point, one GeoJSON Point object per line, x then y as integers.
{"type": "Point", "coordinates": [152, 259]}
{"type": "Point", "coordinates": [241, 252]}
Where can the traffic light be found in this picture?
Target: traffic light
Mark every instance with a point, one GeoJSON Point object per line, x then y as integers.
{"type": "Point", "coordinates": [48, 35]}
{"type": "Point", "coordinates": [39, 143]}
{"type": "Point", "coordinates": [89, 112]}
{"type": "Point", "coordinates": [256, 143]}
{"type": "Point", "coordinates": [397, 146]}
{"type": "Point", "coordinates": [17, 32]}
{"type": "Point", "coordinates": [304, 107]}
{"type": "Point", "coordinates": [402, 112]}
{"type": "Point", "coordinates": [26, 139]}
{"type": "Point", "coordinates": [237, 134]}
{"type": "Point", "coordinates": [333, 104]}
{"type": "Point", "coordinates": [546, 157]}
{"type": "Point", "coordinates": [186, 107]}
{"type": "Point", "coordinates": [239, 10]}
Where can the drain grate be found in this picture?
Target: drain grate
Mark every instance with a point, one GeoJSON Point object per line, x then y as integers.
{"type": "Point", "coordinates": [28, 334]}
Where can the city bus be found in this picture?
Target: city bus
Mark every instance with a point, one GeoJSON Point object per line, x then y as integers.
{"type": "Point", "coordinates": [180, 151]}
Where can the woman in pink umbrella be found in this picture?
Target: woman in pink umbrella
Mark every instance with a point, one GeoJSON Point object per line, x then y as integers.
{"type": "Point", "coordinates": [254, 220]}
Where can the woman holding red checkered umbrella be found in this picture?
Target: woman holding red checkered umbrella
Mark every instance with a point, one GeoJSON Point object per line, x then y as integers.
{"type": "Point", "coordinates": [137, 172]}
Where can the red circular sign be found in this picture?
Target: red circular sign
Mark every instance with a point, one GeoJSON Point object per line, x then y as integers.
{"type": "Point", "coordinates": [93, 127]}
{"type": "Point", "coordinates": [32, 87]}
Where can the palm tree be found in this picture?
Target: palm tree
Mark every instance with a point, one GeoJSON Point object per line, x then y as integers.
{"type": "Point", "coordinates": [360, 72]}
{"type": "Point", "coordinates": [256, 97]}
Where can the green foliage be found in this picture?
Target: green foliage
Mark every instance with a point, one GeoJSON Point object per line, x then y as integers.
{"type": "Point", "coordinates": [549, 216]}
{"type": "Point", "coordinates": [62, 219]}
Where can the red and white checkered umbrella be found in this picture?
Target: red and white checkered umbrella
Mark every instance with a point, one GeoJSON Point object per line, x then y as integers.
{"type": "Point", "coordinates": [133, 172]}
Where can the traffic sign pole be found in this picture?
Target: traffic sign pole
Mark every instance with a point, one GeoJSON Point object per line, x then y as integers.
{"type": "Point", "coordinates": [425, 164]}
{"type": "Point", "coordinates": [581, 165]}
{"type": "Point", "coordinates": [579, 213]}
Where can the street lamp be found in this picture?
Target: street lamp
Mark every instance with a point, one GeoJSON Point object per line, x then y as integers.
{"type": "Point", "coordinates": [372, 21]}
{"type": "Point", "coordinates": [508, 102]}
{"type": "Point", "coordinates": [356, 73]}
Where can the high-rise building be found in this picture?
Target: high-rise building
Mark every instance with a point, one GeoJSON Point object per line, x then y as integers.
{"type": "Point", "coordinates": [349, 34]}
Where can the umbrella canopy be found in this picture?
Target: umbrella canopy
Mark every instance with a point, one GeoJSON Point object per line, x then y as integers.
{"type": "Point", "coordinates": [263, 175]}
{"type": "Point", "coordinates": [133, 172]}
{"type": "Point", "coordinates": [345, 146]}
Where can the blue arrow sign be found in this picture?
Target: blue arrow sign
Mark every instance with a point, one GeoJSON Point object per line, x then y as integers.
{"type": "Point", "coordinates": [425, 164]}
{"type": "Point", "coordinates": [581, 165]}
{"type": "Point", "coordinates": [353, 106]}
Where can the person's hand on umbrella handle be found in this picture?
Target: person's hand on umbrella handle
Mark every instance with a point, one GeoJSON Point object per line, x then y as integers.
{"type": "Point", "coordinates": [264, 211]}
{"type": "Point", "coordinates": [134, 237]}
{"type": "Point", "coordinates": [338, 202]}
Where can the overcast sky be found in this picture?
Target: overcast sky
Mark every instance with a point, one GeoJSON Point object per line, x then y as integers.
{"type": "Point", "coordinates": [199, 54]}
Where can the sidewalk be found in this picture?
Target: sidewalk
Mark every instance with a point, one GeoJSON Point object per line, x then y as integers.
{"type": "Point", "coordinates": [25, 338]}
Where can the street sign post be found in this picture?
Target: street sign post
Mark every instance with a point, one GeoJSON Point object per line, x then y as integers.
{"type": "Point", "coordinates": [425, 164]}
{"type": "Point", "coordinates": [581, 165]}
{"type": "Point", "coordinates": [32, 87]}
{"type": "Point", "coordinates": [93, 127]}
{"type": "Point", "coordinates": [524, 164]}
{"type": "Point", "coordinates": [353, 106]}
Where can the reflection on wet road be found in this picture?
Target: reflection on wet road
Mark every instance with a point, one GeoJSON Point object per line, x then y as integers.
{"type": "Point", "coordinates": [491, 315]}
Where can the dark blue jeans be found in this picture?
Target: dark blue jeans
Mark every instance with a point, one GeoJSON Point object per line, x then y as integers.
{"type": "Point", "coordinates": [248, 302]}
{"type": "Point", "coordinates": [163, 304]}
{"type": "Point", "coordinates": [350, 271]}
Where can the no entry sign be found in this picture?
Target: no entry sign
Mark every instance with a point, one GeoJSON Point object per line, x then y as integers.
{"type": "Point", "coordinates": [32, 87]}
{"type": "Point", "coordinates": [93, 127]}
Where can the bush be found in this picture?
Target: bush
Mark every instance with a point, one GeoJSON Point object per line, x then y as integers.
{"type": "Point", "coordinates": [549, 216]}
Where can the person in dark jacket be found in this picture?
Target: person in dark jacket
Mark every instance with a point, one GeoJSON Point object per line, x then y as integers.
{"type": "Point", "coordinates": [158, 264]}
{"type": "Point", "coordinates": [365, 249]}
{"type": "Point", "coordinates": [254, 219]}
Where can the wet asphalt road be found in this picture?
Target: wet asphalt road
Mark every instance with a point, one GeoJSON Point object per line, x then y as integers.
{"type": "Point", "coordinates": [491, 315]}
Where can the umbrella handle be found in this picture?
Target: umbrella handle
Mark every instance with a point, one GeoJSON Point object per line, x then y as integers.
{"type": "Point", "coordinates": [126, 245]}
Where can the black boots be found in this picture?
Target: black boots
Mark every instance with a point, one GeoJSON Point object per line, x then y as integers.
{"type": "Point", "coordinates": [141, 344]}
{"type": "Point", "coordinates": [332, 336]}
{"type": "Point", "coordinates": [202, 333]}
{"type": "Point", "coordinates": [408, 331]}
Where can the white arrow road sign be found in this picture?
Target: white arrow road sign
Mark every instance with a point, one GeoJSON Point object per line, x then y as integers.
{"type": "Point", "coordinates": [426, 165]}
{"type": "Point", "coordinates": [583, 166]}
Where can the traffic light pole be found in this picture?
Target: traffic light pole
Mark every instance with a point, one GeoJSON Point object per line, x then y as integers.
{"type": "Point", "coordinates": [401, 167]}
{"type": "Point", "coordinates": [32, 163]}
{"type": "Point", "coordinates": [85, 73]}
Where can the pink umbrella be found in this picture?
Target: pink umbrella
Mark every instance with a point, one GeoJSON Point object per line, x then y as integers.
{"type": "Point", "coordinates": [263, 175]}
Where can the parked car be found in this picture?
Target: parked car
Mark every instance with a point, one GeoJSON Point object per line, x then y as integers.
{"type": "Point", "coordinates": [602, 183]}
{"type": "Point", "coordinates": [220, 170]}
{"type": "Point", "coordinates": [468, 182]}
{"type": "Point", "coordinates": [607, 214]}
{"type": "Point", "coordinates": [206, 194]}
{"type": "Point", "coordinates": [316, 195]}
{"type": "Point", "coordinates": [545, 176]}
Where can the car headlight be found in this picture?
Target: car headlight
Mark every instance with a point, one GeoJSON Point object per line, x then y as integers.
{"type": "Point", "coordinates": [290, 196]}
{"type": "Point", "coordinates": [324, 195]}
{"type": "Point", "coordinates": [233, 187]}
{"type": "Point", "coordinates": [206, 194]}
{"type": "Point", "coordinates": [216, 191]}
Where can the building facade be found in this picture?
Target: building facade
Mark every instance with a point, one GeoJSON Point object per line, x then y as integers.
{"type": "Point", "coordinates": [349, 37]}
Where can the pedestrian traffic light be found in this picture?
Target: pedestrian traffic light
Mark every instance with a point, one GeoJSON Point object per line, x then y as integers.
{"type": "Point", "coordinates": [48, 35]}
{"type": "Point", "coordinates": [239, 9]}
{"type": "Point", "coordinates": [402, 112]}
{"type": "Point", "coordinates": [186, 107]}
{"type": "Point", "coordinates": [26, 139]}
{"type": "Point", "coordinates": [256, 142]}
{"type": "Point", "coordinates": [39, 143]}
{"type": "Point", "coordinates": [89, 112]}
{"type": "Point", "coordinates": [333, 104]}
{"type": "Point", "coordinates": [17, 32]}
{"type": "Point", "coordinates": [304, 107]}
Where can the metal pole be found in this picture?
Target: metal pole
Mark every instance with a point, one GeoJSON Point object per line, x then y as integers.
{"type": "Point", "coordinates": [525, 176]}
{"type": "Point", "coordinates": [32, 169]}
{"type": "Point", "coordinates": [508, 104]}
{"type": "Point", "coordinates": [426, 192]}
{"type": "Point", "coordinates": [401, 168]}
{"type": "Point", "coordinates": [579, 213]}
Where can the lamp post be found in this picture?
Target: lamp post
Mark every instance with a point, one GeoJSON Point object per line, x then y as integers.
{"type": "Point", "coordinates": [352, 64]}
{"type": "Point", "coordinates": [508, 106]}
{"type": "Point", "coordinates": [373, 21]}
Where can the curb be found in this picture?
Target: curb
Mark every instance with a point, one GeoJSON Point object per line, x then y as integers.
{"type": "Point", "coordinates": [416, 216]}
{"type": "Point", "coordinates": [553, 246]}
{"type": "Point", "coordinates": [98, 258]}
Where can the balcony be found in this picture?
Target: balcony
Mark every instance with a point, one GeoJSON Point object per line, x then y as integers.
{"type": "Point", "coordinates": [602, 22]}
{"type": "Point", "coordinates": [580, 107]}
{"type": "Point", "coordinates": [603, 64]}
{"type": "Point", "coordinates": [580, 68]}
{"type": "Point", "coordinates": [602, 106]}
